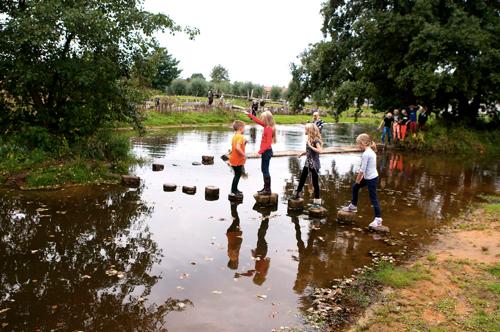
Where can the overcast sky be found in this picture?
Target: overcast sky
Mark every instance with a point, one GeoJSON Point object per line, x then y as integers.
{"type": "Point", "coordinates": [254, 40]}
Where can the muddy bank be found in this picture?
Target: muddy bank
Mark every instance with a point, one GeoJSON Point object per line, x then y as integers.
{"type": "Point", "coordinates": [452, 286]}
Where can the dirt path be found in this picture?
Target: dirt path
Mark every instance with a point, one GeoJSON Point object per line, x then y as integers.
{"type": "Point", "coordinates": [459, 284]}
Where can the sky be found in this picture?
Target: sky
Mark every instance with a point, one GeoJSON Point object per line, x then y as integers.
{"type": "Point", "coordinates": [254, 40]}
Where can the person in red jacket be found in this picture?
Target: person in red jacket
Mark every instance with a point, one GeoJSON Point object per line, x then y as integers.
{"type": "Point", "coordinates": [266, 151]}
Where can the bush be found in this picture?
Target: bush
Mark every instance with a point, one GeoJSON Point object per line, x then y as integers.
{"type": "Point", "coordinates": [198, 87]}
{"type": "Point", "coordinates": [179, 87]}
{"type": "Point", "coordinates": [276, 93]}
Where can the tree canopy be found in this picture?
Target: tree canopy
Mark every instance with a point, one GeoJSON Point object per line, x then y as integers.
{"type": "Point", "coordinates": [443, 54]}
{"type": "Point", "coordinates": [66, 66]}
{"type": "Point", "coordinates": [219, 74]}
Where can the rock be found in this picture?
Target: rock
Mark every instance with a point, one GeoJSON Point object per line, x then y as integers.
{"type": "Point", "coordinates": [195, 163]}
{"type": "Point", "coordinates": [131, 181]}
{"type": "Point", "coordinates": [235, 198]}
{"type": "Point", "coordinates": [190, 190]}
{"type": "Point", "coordinates": [211, 193]}
{"type": "Point", "coordinates": [295, 204]}
{"type": "Point", "coordinates": [169, 187]}
{"type": "Point", "coordinates": [380, 229]}
{"type": "Point", "coordinates": [207, 160]}
{"type": "Point", "coordinates": [345, 216]}
{"type": "Point", "coordinates": [267, 200]}
{"type": "Point", "coordinates": [158, 167]}
{"type": "Point", "coordinates": [318, 212]}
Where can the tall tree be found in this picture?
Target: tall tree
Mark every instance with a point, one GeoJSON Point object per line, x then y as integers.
{"type": "Point", "coordinates": [65, 65]}
{"type": "Point", "coordinates": [166, 69]}
{"type": "Point", "coordinates": [444, 54]}
{"type": "Point", "coordinates": [219, 74]}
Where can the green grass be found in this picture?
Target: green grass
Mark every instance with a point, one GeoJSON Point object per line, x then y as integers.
{"type": "Point", "coordinates": [484, 321]}
{"type": "Point", "coordinates": [494, 270]}
{"type": "Point", "coordinates": [400, 277]}
{"type": "Point", "coordinates": [155, 119]}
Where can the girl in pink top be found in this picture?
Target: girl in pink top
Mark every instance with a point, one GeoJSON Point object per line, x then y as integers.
{"type": "Point", "coordinates": [266, 151]}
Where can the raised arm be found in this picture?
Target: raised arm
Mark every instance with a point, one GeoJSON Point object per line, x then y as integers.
{"type": "Point", "coordinates": [256, 120]}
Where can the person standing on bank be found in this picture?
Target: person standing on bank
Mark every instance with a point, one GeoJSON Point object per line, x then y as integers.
{"type": "Point", "coordinates": [367, 176]}
{"type": "Point", "coordinates": [266, 151]}
{"type": "Point", "coordinates": [422, 117]}
{"type": "Point", "coordinates": [313, 149]}
{"type": "Point", "coordinates": [317, 121]}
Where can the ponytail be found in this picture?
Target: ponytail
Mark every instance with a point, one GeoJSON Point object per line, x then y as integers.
{"type": "Point", "coordinates": [366, 140]}
{"type": "Point", "coordinates": [374, 146]}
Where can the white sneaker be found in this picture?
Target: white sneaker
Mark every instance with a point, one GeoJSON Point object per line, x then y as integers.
{"type": "Point", "coordinates": [377, 222]}
{"type": "Point", "coordinates": [350, 208]}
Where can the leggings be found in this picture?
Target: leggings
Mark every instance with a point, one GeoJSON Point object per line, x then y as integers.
{"type": "Point", "coordinates": [372, 190]}
{"type": "Point", "coordinates": [265, 160]}
{"type": "Point", "coordinates": [396, 129]}
{"type": "Point", "coordinates": [315, 178]}
{"type": "Point", "coordinates": [403, 132]}
{"type": "Point", "coordinates": [236, 178]}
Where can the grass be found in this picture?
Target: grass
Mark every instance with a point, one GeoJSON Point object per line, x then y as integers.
{"type": "Point", "coordinates": [400, 277]}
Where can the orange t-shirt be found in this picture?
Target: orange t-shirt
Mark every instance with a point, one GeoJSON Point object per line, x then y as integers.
{"type": "Point", "coordinates": [235, 159]}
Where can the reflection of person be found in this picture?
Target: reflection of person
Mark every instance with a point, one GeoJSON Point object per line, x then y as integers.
{"type": "Point", "coordinates": [262, 262]}
{"type": "Point", "coordinates": [234, 238]}
{"type": "Point", "coordinates": [304, 273]}
{"type": "Point", "coordinates": [312, 164]}
{"type": "Point", "coordinates": [255, 107]}
{"type": "Point", "coordinates": [367, 176]}
{"type": "Point", "coordinates": [237, 156]}
{"type": "Point", "coordinates": [266, 150]}
{"type": "Point", "coordinates": [387, 127]}
{"type": "Point", "coordinates": [317, 121]}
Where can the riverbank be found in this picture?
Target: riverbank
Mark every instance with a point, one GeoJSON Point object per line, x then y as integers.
{"type": "Point", "coordinates": [454, 286]}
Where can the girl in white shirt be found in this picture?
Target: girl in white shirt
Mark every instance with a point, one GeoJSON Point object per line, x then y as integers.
{"type": "Point", "coordinates": [367, 176]}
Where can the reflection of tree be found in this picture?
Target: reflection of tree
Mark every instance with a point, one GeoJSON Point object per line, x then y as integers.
{"type": "Point", "coordinates": [53, 267]}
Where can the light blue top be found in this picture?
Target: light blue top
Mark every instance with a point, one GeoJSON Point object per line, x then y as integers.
{"type": "Point", "coordinates": [369, 164]}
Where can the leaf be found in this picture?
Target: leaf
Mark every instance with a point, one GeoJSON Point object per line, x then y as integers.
{"type": "Point", "coordinates": [216, 292]}
{"type": "Point", "coordinates": [4, 310]}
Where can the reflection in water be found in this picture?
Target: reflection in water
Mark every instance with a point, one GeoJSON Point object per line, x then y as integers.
{"type": "Point", "coordinates": [234, 238]}
{"type": "Point", "coordinates": [262, 262]}
{"type": "Point", "coordinates": [85, 273]}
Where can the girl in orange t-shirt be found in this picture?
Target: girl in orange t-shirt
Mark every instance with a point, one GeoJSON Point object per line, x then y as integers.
{"type": "Point", "coordinates": [237, 157]}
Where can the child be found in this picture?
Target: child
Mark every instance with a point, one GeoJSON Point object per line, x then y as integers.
{"type": "Point", "coordinates": [387, 130]}
{"type": "Point", "coordinates": [237, 156]}
{"type": "Point", "coordinates": [403, 124]}
{"type": "Point", "coordinates": [313, 149]}
{"type": "Point", "coordinates": [367, 176]}
{"type": "Point", "coordinates": [266, 150]}
{"type": "Point", "coordinates": [396, 132]}
{"type": "Point", "coordinates": [317, 121]}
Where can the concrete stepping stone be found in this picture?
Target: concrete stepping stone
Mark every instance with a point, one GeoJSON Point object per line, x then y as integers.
{"type": "Point", "coordinates": [266, 200]}
{"type": "Point", "coordinates": [190, 190]}
{"type": "Point", "coordinates": [381, 229]}
{"type": "Point", "coordinates": [211, 193]}
{"type": "Point", "coordinates": [345, 216]}
{"type": "Point", "coordinates": [169, 187]}
{"type": "Point", "coordinates": [317, 212]}
{"type": "Point", "coordinates": [131, 181]}
{"type": "Point", "coordinates": [196, 163]}
{"type": "Point", "coordinates": [158, 167]}
{"type": "Point", "coordinates": [295, 204]}
{"type": "Point", "coordinates": [235, 198]}
{"type": "Point", "coordinates": [207, 160]}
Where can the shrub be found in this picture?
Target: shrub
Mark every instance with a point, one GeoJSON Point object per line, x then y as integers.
{"type": "Point", "coordinates": [179, 87]}
{"type": "Point", "coordinates": [198, 87]}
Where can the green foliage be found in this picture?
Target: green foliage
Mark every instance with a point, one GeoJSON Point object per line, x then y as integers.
{"type": "Point", "coordinates": [484, 321]}
{"type": "Point", "coordinates": [198, 75]}
{"type": "Point", "coordinates": [67, 66]}
{"type": "Point", "coordinates": [219, 74]}
{"type": "Point", "coordinates": [238, 89]}
{"type": "Point", "coordinates": [258, 91]}
{"type": "Point", "coordinates": [440, 54]}
{"type": "Point", "coordinates": [166, 69]}
{"type": "Point", "coordinates": [179, 87]}
{"type": "Point", "coordinates": [399, 277]}
{"type": "Point", "coordinates": [198, 87]}
{"type": "Point", "coordinates": [276, 93]}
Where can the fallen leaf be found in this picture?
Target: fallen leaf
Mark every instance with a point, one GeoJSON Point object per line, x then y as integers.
{"type": "Point", "coordinates": [216, 292]}
{"type": "Point", "coordinates": [4, 310]}
{"type": "Point", "coordinates": [262, 297]}
{"type": "Point", "coordinates": [180, 288]}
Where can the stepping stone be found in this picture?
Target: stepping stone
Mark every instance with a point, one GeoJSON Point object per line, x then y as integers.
{"type": "Point", "coordinates": [266, 199]}
{"type": "Point", "coordinates": [131, 181]}
{"type": "Point", "coordinates": [190, 190]}
{"type": "Point", "coordinates": [211, 193]}
{"type": "Point", "coordinates": [195, 163]}
{"type": "Point", "coordinates": [265, 209]}
{"type": "Point", "coordinates": [158, 167]}
{"type": "Point", "coordinates": [169, 187]}
{"type": "Point", "coordinates": [380, 229]}
{"type": "Point", "coordinates": [295, 204]}
{"type": "Point", "coordinates": [345, 216]}
{"type": "Point", "coordinates": [319, 212]}
{"type": "Point", "coordinates": [235, 199]}
{"type": "Point", "coordinates": [207, 160]}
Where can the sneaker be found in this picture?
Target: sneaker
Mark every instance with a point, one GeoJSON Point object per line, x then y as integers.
{"type": "Point", "coordinates": [350, 208]}
{"type": "Point", "coordinates": [377, 222]}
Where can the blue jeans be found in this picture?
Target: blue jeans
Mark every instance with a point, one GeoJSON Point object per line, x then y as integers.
{"type": "Point", "coordinates": [387, 131]}
{"type": "Point", "coordinates": [265, 160]}
{"type": "Point", "coordinates": [372, 190]}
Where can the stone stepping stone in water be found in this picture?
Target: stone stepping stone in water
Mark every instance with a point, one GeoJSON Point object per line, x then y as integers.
{"type": "Point", "coordinates": [158, 167]}
{"type": "Point", "coordinates": [343, 216]}
{"type": "Point", "coordinates": [195, 163]}
{"type": "Point", "coordinates": [235, 198]}
{"type": "Point", "coordinates": [169, 187]}
{"type": "Point", "coordinates": [207, 160]}
{"type": "Point", "coordinates": [190, 190]}
{"type": "Point", "coordinates": [211, 193]}
{"type": "Point", "coordinates": [266, 200]}
{"type": "Point", "coordinates": [296, 204]}
{"type": "Point", "coordinates": [318, 212]}
{"type": "Point", "coordinates": [381, 229]}
{"type": "Point", "coordinates": [131, 181]}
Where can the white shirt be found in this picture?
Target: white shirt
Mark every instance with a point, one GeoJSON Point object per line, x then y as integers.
{"type": "Point", "coordinates": [369, 164]}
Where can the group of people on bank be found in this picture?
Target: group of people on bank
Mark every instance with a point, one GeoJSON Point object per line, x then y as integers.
{"type": "Point", "coordinates": [366, 176]}
{"type": "Point", "coordinates": [396, 124]}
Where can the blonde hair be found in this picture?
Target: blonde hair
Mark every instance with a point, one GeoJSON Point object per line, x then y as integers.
{"type": "Point", "coordinates": [316, 115]}
{"type": "Point", "coordinates": [237, 124]}
{"type": "Point", "coordinates": [267, 118]}
{"type": "Point", "coordinates": [313, 133]}
{"type": "Point", "coordinates": [366, 140]}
